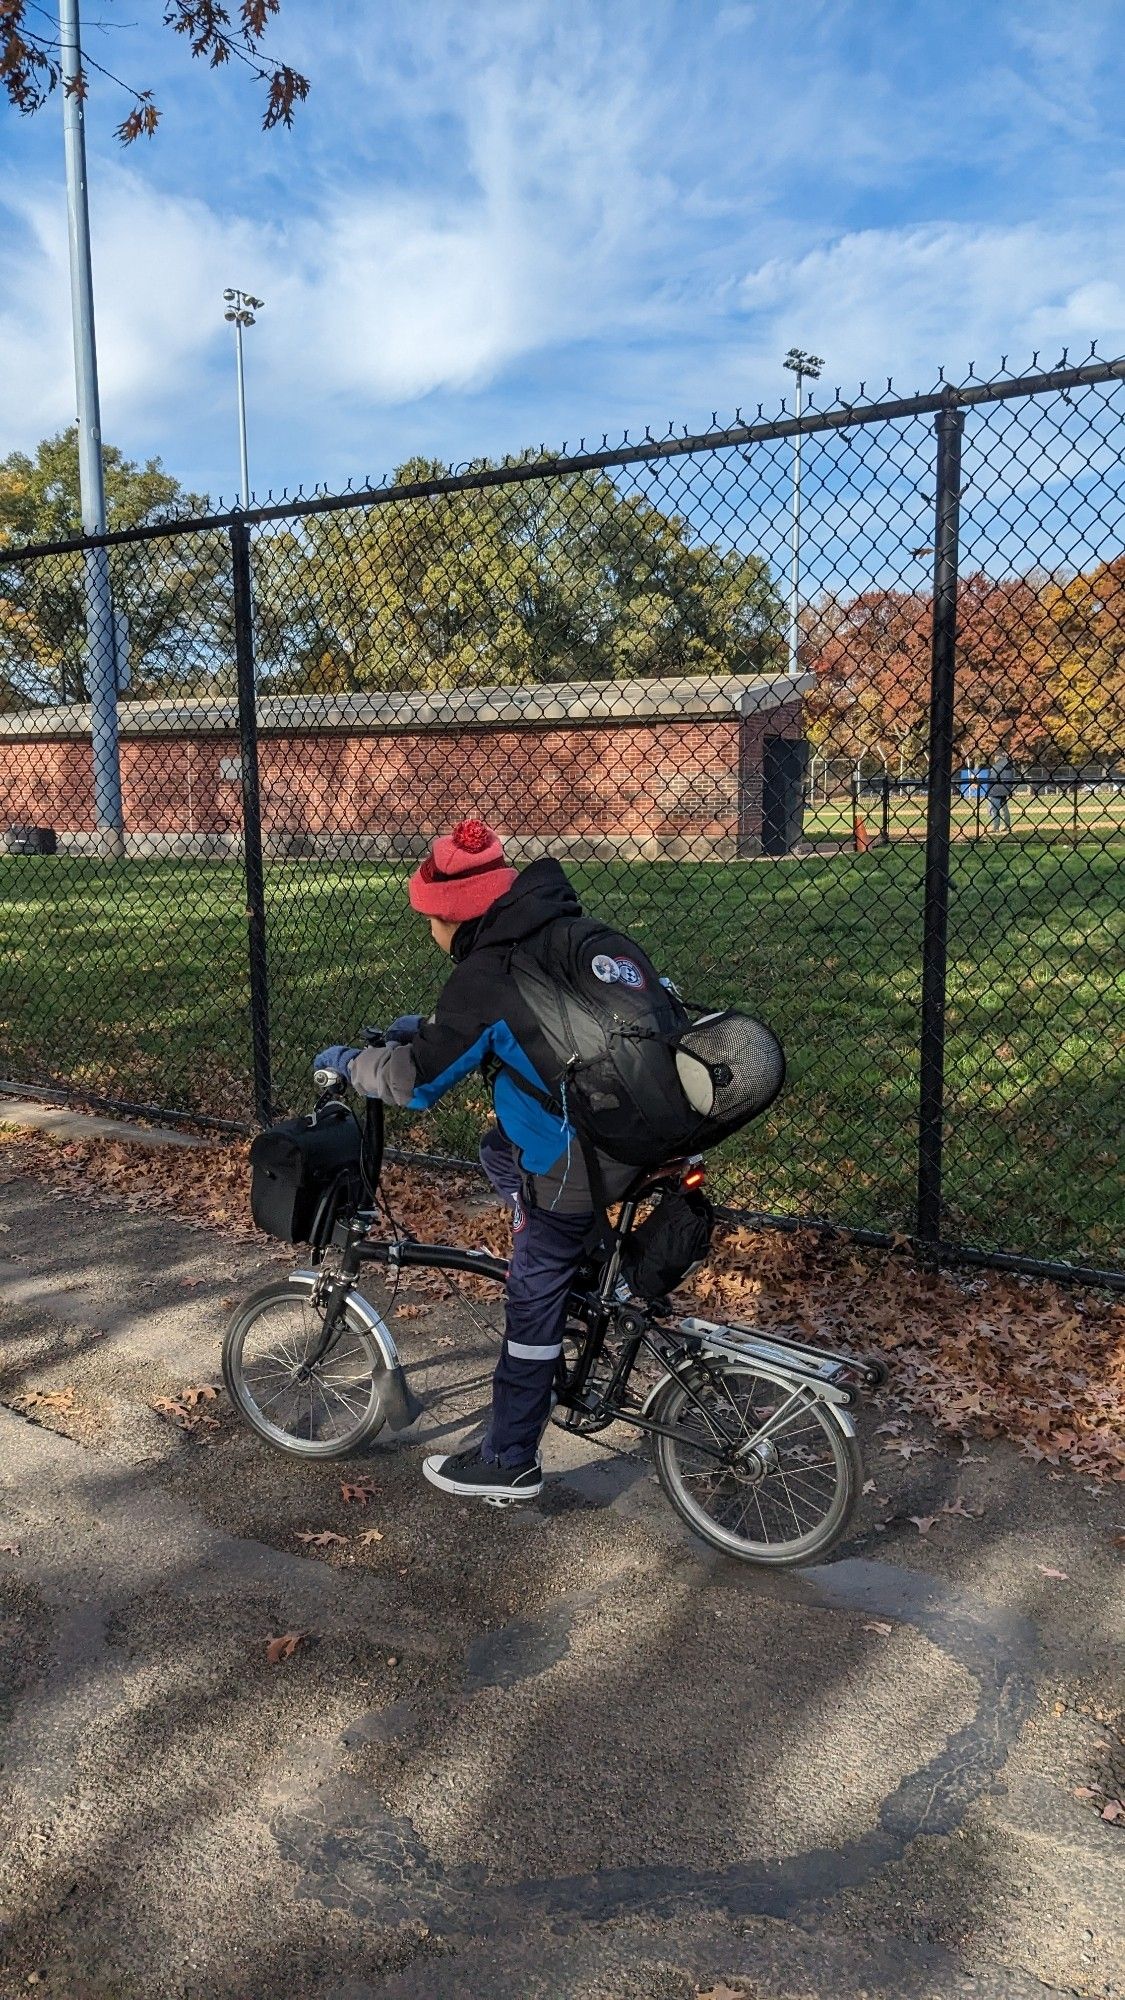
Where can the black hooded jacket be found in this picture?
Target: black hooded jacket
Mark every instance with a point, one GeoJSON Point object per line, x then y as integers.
{"type": "Point", "coordinates": [482, 1020]}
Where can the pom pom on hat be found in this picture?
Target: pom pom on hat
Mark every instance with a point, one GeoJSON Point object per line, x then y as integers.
{"type": "Point", "coordinates": [472, 835]}
{"type": "Point", "coordinates": [463, 875]}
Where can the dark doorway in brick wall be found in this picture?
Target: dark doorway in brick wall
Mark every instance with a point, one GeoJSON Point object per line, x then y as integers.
{"type": "Point", "coordinates": [783, 792]}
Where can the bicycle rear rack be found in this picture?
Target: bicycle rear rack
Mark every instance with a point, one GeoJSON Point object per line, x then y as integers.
{"type": "Point", "coordinates": [845, 1371]}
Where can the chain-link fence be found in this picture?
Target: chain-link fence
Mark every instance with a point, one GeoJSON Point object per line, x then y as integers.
{"type": "Point", "coordinates": [829, 712]}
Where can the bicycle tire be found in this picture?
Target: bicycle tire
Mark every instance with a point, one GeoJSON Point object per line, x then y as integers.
{"type": "Point", "coordinates": [369, 1414]}
{"type": "Point", "coordinates": [683, 1485]}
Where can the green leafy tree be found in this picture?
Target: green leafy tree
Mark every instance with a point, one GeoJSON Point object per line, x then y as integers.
{"type": "Point", "coordinates": [552, 579]}
{"type": "Point", "coordinates": [173, 592]}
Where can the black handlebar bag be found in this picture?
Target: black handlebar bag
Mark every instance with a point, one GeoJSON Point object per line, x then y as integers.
{"type": "Point", "coordinates": [295, 1164]}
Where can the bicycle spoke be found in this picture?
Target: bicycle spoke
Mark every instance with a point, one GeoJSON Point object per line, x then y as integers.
{"type": "Point", "coordinates": [286, 1386]}
{"type": "Point", "coordinates": [326, 1390]}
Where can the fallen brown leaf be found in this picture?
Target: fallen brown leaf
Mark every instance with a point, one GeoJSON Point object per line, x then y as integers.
{"type": "Point", "coordinates": [203, 1392]}
{"type": "Point", "coordinates": [923, 1522]}
{"type": "Point", "coordinates": [358, 1491]}
{"type": "Point", "coordinates": [284, 1647]}
{"type": "Point", "coordinates": [368, 1536]}
{"type": "Point", "coordinates": [176, 1410]}
{"type": "Point", "coordinates": [1004, 1356]}
{"type": "Point", "coordinates": [9, 1548]}
{"type": "Point", "coordinates": [49, 1399]}
{"type": "Point", "coordinates": [1059, 1574]}
{"type": "Point", "coordinates": [169, 1406]}
{"type": "Point", "coordinates": [320, 1538]}
{"type": "Point", "coordinates": [959, 1508]}
{"type": "Point", "coordinates": [1114, 1810]}
{"type": "Point", "coordinates": [878, 1625]}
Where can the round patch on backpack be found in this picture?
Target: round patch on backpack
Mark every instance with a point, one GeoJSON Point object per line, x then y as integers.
{"type": "Point", "coordinates": [605, 969]}
{"type": "Point", "coordinates": [630, 974]}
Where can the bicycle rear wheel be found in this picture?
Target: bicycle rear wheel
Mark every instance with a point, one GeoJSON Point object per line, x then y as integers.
{"type": "Point", "coordinates": [791, 1497]}
{"type": "Point", "coordinates": [327, 1412]}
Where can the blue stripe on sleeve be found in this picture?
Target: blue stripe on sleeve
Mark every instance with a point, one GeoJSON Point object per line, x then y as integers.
{"type": "Point", "coordinates": [540, 1137]}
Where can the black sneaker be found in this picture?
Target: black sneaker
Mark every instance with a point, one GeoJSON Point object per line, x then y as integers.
{"type": "Point", "coordinates": [470, 1477]}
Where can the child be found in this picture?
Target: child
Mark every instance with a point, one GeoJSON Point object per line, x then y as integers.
{"type": "Point", "coordinates": [478, 909]}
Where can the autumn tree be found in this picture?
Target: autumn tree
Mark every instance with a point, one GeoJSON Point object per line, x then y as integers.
{"type": "Point", "coordinates": [534, 581]}
{"type": "Point", "coordinates": [1087, 621]}
{"type": "Point", "coordinates": [1040, 667]}
{"type": "Point", "coordinates": [30, 64]}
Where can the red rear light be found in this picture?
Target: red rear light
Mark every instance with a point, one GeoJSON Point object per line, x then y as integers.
{"type": "Point", "coordinates": [694, 1177]}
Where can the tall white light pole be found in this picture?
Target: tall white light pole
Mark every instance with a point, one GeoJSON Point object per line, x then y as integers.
{"type": "Point", "coordinates": [241, 310]}
{"type": "Point", "coordinates": [802, 365]}
{"type": "Point", "coordinates": [101, 648]}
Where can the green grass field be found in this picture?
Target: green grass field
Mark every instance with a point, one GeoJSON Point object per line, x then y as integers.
{"type": "Point", "coordinates": [129, 978]}
{"type": "Point", "coordinates": [1092, 816]}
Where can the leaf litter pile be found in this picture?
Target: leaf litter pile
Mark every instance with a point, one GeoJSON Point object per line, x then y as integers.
{"type": "Point", "coordinates": [987, 1354]}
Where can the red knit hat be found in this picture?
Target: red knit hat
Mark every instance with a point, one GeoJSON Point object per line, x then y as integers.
{"type": "Point", "coordinates": [463, 874]}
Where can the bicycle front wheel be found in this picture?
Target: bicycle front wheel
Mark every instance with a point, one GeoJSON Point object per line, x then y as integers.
{"type": "Point", "coordinates": [322, 1411]}
{"type": "Point", "coordinates": [790, 1497]}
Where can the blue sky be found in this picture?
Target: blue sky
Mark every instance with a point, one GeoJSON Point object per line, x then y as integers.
{"type": "Point", "coordinates": [517, 221]}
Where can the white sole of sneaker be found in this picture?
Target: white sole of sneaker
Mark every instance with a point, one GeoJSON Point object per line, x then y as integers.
{"type": "Point", "coordinates": [461, 1490]}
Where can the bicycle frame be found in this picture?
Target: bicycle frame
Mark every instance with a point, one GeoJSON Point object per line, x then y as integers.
{"type": "Point", "coordinates": [680, 1349]}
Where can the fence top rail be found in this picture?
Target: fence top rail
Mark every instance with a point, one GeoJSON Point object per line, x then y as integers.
{"type": "Point", "coordinates": [842, 416]}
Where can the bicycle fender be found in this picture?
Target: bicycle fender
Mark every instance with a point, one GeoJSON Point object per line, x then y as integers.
{"type": "Point", "coordinates": [787, 1380]}
{"type": "Point", "coordinates": [399, 1401]}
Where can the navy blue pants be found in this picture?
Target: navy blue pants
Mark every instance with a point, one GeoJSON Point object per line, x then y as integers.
{"type": "Point", "coordinates": [547, 1251]}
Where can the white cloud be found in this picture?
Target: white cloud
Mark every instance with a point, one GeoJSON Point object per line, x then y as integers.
{"type": "Point", "coordinates": [550, 215]}
{"type": "Point", "coordinates": [159, 268]}
{"type": "Point", "coordinates": [376, 293]}
{"type": "Point", "coordinates": [905, 301]}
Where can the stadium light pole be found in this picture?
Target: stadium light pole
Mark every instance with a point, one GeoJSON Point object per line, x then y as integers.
{"type": "Point", "coordinates": [241, 309]}
{"type": "Point", "coordinates": [101, 635]}
{"type": "Point", "coordinates": [803, 365]}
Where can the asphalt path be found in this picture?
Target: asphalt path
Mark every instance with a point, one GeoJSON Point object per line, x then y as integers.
{"type": "Point", "coordinates": [560, 1752]}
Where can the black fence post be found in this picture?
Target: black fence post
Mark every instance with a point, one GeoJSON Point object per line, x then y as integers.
{"type": "Point", "coordinates": [886, 807]}
{"type": "Point", "coordinates": [252, 821]}
{"type": "Point", "coordinates": [949, 424]}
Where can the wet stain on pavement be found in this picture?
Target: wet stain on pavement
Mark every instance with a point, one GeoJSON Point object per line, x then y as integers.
{"type": "Point", "coordinates": [518, 1652]}
{"type": "Point", "coordinates": [380, 1725]}
{"type": "Point", "coordinates": [353, 1854]}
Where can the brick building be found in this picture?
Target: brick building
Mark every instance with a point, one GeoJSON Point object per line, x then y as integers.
{"type": "Point", "coordinates": [694, 767]}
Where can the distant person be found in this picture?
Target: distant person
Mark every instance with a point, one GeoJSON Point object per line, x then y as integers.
{"type": "Point", "coordinates": [1002, 783]}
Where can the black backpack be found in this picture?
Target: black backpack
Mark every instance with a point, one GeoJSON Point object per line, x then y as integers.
{"type": "Point", "coordinates": [639, 1076]}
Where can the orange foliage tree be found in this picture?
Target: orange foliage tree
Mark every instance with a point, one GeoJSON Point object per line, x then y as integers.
{"type": "Point", "coordinates": [1040, 670]}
